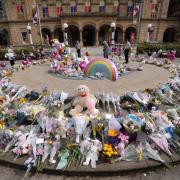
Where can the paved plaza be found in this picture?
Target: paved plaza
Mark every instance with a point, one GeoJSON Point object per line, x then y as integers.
{"type": "Point", "coordinates": [36, 77]}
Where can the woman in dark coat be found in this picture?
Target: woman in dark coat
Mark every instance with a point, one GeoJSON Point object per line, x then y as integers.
{"type": "Point", "coordinates": [105, 49]}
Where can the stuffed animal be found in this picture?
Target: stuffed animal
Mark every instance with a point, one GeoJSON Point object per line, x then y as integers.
{"type": "Point", "coordinates": [83, 100]}
{"type": "Point", "coordinates": [93, 146]}
{"type": "Point", "coordinates": [61, 123]}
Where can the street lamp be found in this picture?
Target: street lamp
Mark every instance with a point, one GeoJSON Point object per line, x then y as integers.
{"type": "Point", "coordinates": [150, 32]}
{"type": "Point", "coordinates": [30, 34]}
{"type": "Point", "coordinates": [65, 32]}
{"type": "Point", "coordinates": [113, 27]}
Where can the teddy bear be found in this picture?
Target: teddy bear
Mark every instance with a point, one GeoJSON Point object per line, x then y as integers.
{"type": "Point", "coordinates": [83, 100]}
{"type": "Point", "coordinates": [93, 146]}
{"type": "Point", "coordinates": [61, 123]}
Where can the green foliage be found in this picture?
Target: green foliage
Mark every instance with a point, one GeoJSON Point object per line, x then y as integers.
{"type": "Point", "coordinates": [17, 51]}
{"type": "Point", "coordinates": [144, 48]}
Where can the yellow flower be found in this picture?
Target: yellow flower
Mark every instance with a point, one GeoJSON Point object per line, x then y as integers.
{"type": "Point", "coordinates": [115, 152]}
{"type": "Point", "coordinates": [22, 100]}
{"type": "Point", "coordinates": [112, 133]}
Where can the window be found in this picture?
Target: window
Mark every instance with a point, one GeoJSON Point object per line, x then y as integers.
{"type": "Point", "coordinates": [24, 37]}
{"type": "Point", "coordinates": [116, 6]}
{"type": "Point", "coordinates": [1, 6]}
{"type": "Point", "coordinates": [88, 6]}
{"type": "Point", "coordinates": [19, 7]}
{"type": "Point", "coordinates": [130, 8]}
{"type": "Point", "coordinates": [73, 6]}
{"type": "Point", "coordinates": [45, 9]}
{"type": "Point", "coordinates": [101, 6]}
{"type": "Point", "coordinates": [1, 9]}
{"type": "Point", "coordinates": [154, 6]}
{"type": "Point", "coordinates": [59, 8]}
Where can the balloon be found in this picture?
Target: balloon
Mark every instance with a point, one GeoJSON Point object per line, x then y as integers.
{"type": "Point", "coordinates": [82, 65]}
{"type": "Point", "coordinates": [65, 58]}
{"type": "Point", "coordinates": [24, 62]}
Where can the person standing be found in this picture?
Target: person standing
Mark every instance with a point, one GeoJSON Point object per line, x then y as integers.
{"type": "Point", "coordinates": [127, 48]}
{"type": "Point", "coordinates": [78, 49]}
{"type": "Point", "coordinates": [11, 56]}
{"type": "Point", "coordinates": [105, 49]}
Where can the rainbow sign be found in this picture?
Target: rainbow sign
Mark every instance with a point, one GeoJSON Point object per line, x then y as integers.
{"type": "Point", "coordinates": [102, 65]}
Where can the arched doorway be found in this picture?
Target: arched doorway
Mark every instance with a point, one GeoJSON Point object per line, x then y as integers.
{"type": "Point", "coordinates": [73, 35]}
{"type": "Point", "coordinates": [119, 35]}
{"type": "Point", "coordinates": [173, 10]}
{"type": "Point", "coordinates": [169, 35]}
{"type": "Point", "coordinates": [4, 37]}
{"type": "Point", "coordinates": [130, 34]}
{"type": "Point", "coordinates": [46, 33]}
{"type": "Point", "coordinates": [58, 34]}
{"type": "Point", "coordinates": [104, 33]}
{"type": "Point", "coordinates": [89, 35]}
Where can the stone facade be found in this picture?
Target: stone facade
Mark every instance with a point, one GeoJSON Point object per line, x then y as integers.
{"type": "Point", "coordinates": [90, 28]}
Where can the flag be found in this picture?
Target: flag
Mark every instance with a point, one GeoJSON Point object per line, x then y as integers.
{"type": "Point", "coordinates": [35, 14]}
{"type": "Point", "coordinates": [136, 10]}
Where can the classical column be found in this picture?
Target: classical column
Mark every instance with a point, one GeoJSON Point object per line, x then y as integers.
{"type": "Point", "coordinates": [123, 36]}
{"type": "Point", "coordinates": [97, 37]}
{"type": "Point", "coordinates": [81, 37]}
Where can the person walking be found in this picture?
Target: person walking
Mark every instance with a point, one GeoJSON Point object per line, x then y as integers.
{"type": "Point", "coordinates": [105, 49]}
{"type": "Point", "coordinates": [78, 49]}
{"type": "Point", "coordinates": [127, 48]}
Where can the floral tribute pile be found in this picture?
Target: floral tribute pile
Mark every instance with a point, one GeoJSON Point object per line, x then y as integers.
{"type": "Point", "coordinates": [51, 128]}
{"type": "Point", "coordinates": [67, 65]}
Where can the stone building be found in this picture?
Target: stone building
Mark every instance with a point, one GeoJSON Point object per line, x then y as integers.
{"type": "Point", "coordinates": [89, 21]}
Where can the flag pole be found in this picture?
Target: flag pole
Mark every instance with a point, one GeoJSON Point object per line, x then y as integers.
{"type": "Point", "coordinates": [39, 22]}
{"type": "Point", "coordinates": [139, 23]}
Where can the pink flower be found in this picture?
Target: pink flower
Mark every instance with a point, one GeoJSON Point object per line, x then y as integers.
{"type": "Point", "coordinates": [124, 139]}
{"type": "Point", "coordinates": [18, 151]}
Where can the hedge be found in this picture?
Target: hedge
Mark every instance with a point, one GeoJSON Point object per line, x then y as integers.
{"type": "Point", "coordinates": [141, 49]}
{"type": "Point", "coordinates": [17, 51]}
{"type": "Point", "coordinates": [144, 48]}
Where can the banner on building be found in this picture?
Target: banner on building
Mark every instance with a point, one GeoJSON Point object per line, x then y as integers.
{"type": "Point", "coordinates": [101, 6]}
{"type": "Point", "coordinates": [59, 8]}
{"type": "Point", "coordinates": [154, 6]}
{"type": "Point", "coordinates": [116, 6]}
{"type": "Point", "coordinates": [19, 7]}
{"type": "Point", "coordinates": [130, 8]}
{"type": "Point", "coordinates": [45, 10]}
{"type": "Point", "coordinates": [73, 6]}
{"type": "Point", "coordinates": [88, 6]}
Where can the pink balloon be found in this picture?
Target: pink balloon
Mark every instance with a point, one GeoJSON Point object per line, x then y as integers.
{"type": "Point", "coordinates": [29, 59]}
{"type": "Point", "coordinates": [24, 62]}
{"type": "Point", "coordinates": [82, 65]}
